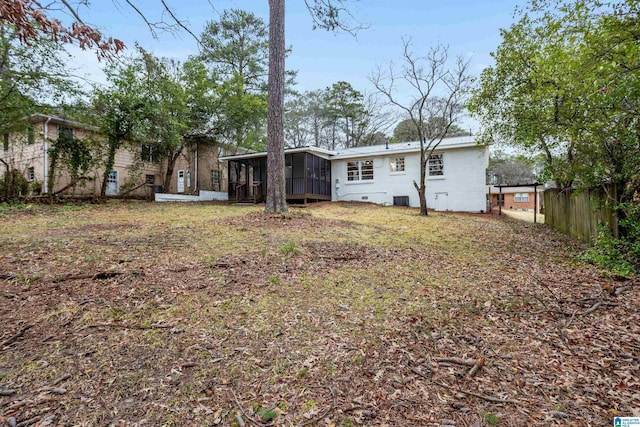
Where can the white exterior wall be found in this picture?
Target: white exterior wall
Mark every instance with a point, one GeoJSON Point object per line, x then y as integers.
{"type": "Point", "coordinates": [463, 181]}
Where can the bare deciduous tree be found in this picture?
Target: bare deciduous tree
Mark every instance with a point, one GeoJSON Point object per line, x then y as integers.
{"type": "Point", "coordinates": [437, 92]}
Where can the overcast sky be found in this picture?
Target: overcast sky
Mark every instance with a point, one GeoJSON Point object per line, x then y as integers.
{"type": "Point", "coordinates": [470, 28]}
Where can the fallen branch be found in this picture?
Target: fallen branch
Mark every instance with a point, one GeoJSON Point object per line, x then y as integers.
{"type": "Point", "coordinates": [329, 409]}
{"type": "Point", "coordinates": [17, 336]}
{"type": "Point", "coordinates": [123, 326]}
{"type": "Point", "coordinates": [28, 422]}
{"type": "Point", "coordinates": [72, 184]}
{"type": "Point", "coordinates": [475, 368]}
{"type": "Point", "coordinates": [621, 289]}
{"type": "Point", "coordinates": [61, 379]}
{"type": "Point", "coordinates": [596, 306]}
{"type": "Point", "coordinates": [254, 422]}
{"type": "Point", "coordinates": [457, 361]}
{"type": "Point", "coordinates": [93, 276]}
{"type": "Point", "coordinates": [630, 357]}
{"type": "Point", "coordinates": [470, 393]}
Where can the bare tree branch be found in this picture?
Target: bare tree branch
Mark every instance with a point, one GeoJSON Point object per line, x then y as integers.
{"type": "Point", "coordinates": [437, 100]}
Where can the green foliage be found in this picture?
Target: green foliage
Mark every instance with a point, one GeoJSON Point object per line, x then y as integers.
{"type": "Point", "coordinates": [236, 51]}
{"type": "Point", "coordinates": [289, 249]}
{"type": "Point", "coordinates": [274, 280]}
{"type": "Point", "coordinates": [629, 227]}
{"type": "Point", "coordinates": [490, 418]}
{"type": "Point", "coordinates": [156, 102]}
{"type": "Point", "coordinates": [337, 116]}
{"type": "Point", "coordinates": [13, 185]}
{"type": "Point", "coordinates": [266, 415]}
{"type": "Point", "coordinates": [406, 130]}
{"type": "Point", "coordinates": [565, 85]}
{"type": "Point", "coordinates": [72, 153]}
{"type": "Point", "coordinates": [608, 252]}
{"type": "Point", "coordinates": [237, 45]}
{"type": "Point", "coordinates": [28, 75]}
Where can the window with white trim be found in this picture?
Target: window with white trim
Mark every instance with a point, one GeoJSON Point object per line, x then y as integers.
{"type": "Point", "coordinates": [436, 165]}
{"type": "Point", "coordinates": [361, 170]}
{"type": "Point", "coordinates": [521, 197]}
{"type": "Point", "coordinates": [397, 164]}
{"type": "Point", "coordinates": [31, 174]}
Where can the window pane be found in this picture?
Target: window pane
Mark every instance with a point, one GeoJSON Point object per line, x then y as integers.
{"type": "Point", "coordinates": [436, 166]}
{"type": "Point", "coordinates": [353, 171]}
{"type": "Point", "coordinates": [366, 169]}
{"type": "Point", "coordinates": [397, 164]}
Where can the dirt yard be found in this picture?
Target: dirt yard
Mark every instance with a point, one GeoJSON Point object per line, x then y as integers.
{"type": "Point", "coordinates": [140, 314]}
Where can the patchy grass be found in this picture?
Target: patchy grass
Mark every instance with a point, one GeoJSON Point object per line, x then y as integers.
{"type": "Point", "coordinates": [338, 314]}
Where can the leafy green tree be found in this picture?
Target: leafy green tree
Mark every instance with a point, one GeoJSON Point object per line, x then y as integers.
{"type": "Point", "coordinates": [345, 104]}
{"type": "Point", "coordinates": [120, 111]}
{"type": "Point", "coordinates": [565, 85]}
{"type": "Point", "coordinates": [406, 131]}
{"type": "Point", "coordinates": [29, 75]}
{"type": "Point", "coordinates": [235, 49]}
{"type": "Point", "coordinates": [237, 46]}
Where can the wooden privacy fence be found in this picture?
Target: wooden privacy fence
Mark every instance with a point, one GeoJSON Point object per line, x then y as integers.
{"type": "Point", "coordinates": [578, 213]}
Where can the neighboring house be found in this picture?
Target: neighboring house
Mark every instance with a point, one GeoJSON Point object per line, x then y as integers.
{"type": "Point", "coordinates": [514, 197]}
{"type": "Point", "coordinates": [382, 174]}
{"type": "Point", "coordinates": [137, 171]}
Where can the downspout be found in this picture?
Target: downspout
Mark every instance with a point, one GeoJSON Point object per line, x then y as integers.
{"type": "Point", "coordinates": [45, 148]}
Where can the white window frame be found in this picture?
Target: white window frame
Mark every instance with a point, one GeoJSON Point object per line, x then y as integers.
{"type": "Point", "coordinates": [360, 170]}
{"type": "Point", "coordinates": [31, 173]}
{"type": "Point", "coordinates": [397, 165]}
{"type": "Point", "coordinates": [435, 165]}
{"type": "Point", "coordinates": [521, 198]}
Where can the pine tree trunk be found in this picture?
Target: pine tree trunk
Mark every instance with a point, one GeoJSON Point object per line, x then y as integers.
{"type": "Point", "coordinates": [276, 195]}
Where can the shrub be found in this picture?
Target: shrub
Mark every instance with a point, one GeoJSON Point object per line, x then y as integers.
{"type": "Point", "coordinates": [609, 252]}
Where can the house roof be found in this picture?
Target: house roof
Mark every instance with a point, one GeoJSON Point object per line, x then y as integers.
{"type": "Point", "coordinates": [310, 149]}
{"type": "Point", "coordinates": [508, 190]}
{"type": "Point", "coordinates": [373, 150]}
{"type": "Point", "coordinates": [36, 118]}
{"type": "Point", "coordinates": [404, 148]}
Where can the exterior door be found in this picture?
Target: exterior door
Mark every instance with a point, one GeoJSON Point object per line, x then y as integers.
{"type": "Point", "coordinates": [181, 181]}
{"type": "Point", "coordinates": [442, 202]}
{"type": "Point", "coordinates": [112, 184]}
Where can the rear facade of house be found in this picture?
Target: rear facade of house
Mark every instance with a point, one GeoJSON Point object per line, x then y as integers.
{"type": "Point", "coordinates": [382, 174]}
